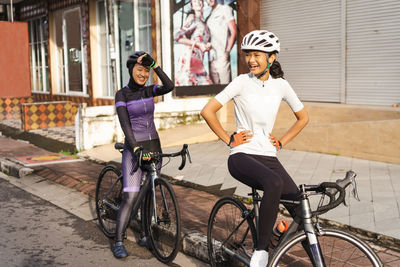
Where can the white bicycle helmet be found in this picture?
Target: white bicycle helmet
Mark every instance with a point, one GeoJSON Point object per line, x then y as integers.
{"type": "Point", "coordinates": [261, 40]}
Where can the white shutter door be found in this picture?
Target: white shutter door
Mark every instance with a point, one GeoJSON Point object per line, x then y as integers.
{"type": "Point", "coordinates": [373, 52]}
{"type": "Point", "coordinates": [310, 35]}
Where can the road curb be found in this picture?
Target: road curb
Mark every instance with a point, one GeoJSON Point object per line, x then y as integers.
{"type": "Point", "coordinates": [195, 244]}
{"type": "Point", "coordinates": [14, 169]}
{"type": "Point", "coordinates": [36, 139]}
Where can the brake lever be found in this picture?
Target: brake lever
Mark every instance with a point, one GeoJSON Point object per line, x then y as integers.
{"type": "Point", "coordinates": [354, 191]}
{"type": "Point", "coordinates": [352, 176]}
{"type": "Point", "coordinates": [188, 155]}
{"type": "Point", "coordinates": [139, 161]}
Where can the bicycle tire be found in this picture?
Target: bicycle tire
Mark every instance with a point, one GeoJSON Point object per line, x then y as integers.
{"type": "Point", "coordinates": [110, 183]}
{"type": "Point", "coordinates": [227, 214]}
{"type": "Point", "coordinates": [339, 248]}
{"type": "Point", "coordinates": [165, 235]}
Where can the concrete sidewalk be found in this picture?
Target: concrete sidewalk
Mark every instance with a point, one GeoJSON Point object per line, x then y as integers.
{"type": "Point", "coordinates": [378, 183]}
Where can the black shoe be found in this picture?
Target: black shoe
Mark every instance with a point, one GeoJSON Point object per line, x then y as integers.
{"type": "Point", "coordinates": [144, 242]}
{"type": "Point", "coordinates": [119, 250]}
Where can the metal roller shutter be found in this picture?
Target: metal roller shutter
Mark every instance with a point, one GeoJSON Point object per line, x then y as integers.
{"type": "Point", "coordinates": [373, 55]}
{"type": "Point", "coordinates": [311, 45]}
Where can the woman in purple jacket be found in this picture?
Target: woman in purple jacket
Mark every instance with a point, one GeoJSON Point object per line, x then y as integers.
{"type": "Point", "coordinates": [135, 109]}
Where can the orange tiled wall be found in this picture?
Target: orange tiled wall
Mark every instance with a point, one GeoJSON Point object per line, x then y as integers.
{"type": "Point", "coordinates": [10, 107]}
{"type": "Point", "coordinates": [47, 114]}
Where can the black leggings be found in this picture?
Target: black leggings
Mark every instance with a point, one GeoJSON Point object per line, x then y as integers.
{"type": "Point", "coordinates": [267, 174]}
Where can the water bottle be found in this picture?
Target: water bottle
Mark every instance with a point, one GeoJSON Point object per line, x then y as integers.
{"type": "Point", "coordinates": [279, 229]}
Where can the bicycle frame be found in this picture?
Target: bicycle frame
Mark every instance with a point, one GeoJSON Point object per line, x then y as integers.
{"type": "Point", "coordinates": [302, 220]}
{"type": "Point", "coordinates": [147, 185]}
{"type": "Point", "coordinates": [303, 231]}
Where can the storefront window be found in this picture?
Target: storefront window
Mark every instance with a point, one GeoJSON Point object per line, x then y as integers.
{"type": "Point", "coordinates": [38, 55]}
{"type": "Point", "coordinates": [106, 50]}
{"type": "Point", "coordinates": [134, 20]}
{"type": "Point", "coordinates": [70, 57]}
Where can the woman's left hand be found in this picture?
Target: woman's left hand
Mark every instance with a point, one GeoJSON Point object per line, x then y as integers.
{"type": "Point", "coordinates": [275, 142]}
{"type": "Point", "coordinates": [140, 59]}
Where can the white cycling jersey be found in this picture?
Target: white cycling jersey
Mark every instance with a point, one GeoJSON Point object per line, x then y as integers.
{"type": "Point", "coordinates": [256, 106]}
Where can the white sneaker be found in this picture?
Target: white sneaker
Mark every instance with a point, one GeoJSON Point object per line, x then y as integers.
{"type": "Point", "coordinates": [259, 258]}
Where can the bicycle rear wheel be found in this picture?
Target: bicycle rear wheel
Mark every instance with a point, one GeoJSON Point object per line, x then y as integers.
{"type": "Point", "coordinates": [338, 249]}
{"type": "Point", "coordinates": [108, 199]}
{"type": "Point", "coordinates": [228, 232]}
{"type": "Point", "coordinates": [163, 224]}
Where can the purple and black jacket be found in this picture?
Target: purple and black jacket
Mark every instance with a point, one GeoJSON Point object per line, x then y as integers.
{"type": "Point", "coordinates": [135, 109]}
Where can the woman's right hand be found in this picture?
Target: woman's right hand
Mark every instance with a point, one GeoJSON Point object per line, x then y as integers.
{"type": "Point", "coordinates": [240, 138]}
{"type": "Point", "coordinates": [202, 46]}
{"type": "Point", "coordinates": [139, 151]}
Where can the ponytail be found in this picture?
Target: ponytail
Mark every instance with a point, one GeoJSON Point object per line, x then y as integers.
{"type": "Point", "coordinates": [276, 70]}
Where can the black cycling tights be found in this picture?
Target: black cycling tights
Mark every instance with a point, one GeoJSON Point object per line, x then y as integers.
{"type": "Point", "coordinates": [124, 214]}
{"type": "Point", "coordinates": [267, 174]}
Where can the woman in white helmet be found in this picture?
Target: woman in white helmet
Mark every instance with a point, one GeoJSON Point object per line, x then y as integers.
{"type": "Point", "coordinates": [257, 96]}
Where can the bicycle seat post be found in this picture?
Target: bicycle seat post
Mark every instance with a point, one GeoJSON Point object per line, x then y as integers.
{"type": "Point", "coordinates": [256, 199]}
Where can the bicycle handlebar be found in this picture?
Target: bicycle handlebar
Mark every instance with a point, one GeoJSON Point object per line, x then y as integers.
{"type": "Point", "coordinates": [155, 155]}
{"type": "Point", "coordinates": [331, 189]}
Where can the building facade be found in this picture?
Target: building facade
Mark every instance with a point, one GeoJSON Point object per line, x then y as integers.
{"type": "Point", "coordinates": [341, 51]}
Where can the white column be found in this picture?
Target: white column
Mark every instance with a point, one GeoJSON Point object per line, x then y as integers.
{"type": "Point", "coordinates": [166, 42]}
{"type": "Point", "coordinates": [12, 11]}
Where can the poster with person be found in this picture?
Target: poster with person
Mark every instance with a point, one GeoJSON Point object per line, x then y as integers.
{"type": "Point", "coordinates": [204, 47]}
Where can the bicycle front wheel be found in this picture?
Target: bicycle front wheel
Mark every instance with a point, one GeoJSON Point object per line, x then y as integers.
{"type": "Point", "coordinates": [231, 237]}
{"type": "Point", "coordinates": [338, 248]}
{"type": "Point", "coordinates": [108, 199]}
{"type": "Point", "coordinates": [163, 222]}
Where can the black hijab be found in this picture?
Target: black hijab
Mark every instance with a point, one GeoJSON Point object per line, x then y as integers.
{"type": "Point", "coordinates": [130, 63]}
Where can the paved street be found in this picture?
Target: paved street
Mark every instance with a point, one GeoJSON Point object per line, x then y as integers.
{"type": "Point", "coordinates": [35, 232]}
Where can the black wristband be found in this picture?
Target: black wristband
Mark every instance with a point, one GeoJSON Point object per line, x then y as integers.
{"type": "Point", "coordinates": [232, 138]}
{"type": "Point", "coordinates": [280, 144]}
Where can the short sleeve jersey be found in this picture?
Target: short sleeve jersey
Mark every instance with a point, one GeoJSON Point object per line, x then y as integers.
{"type": "Point", "coordinates": [256, 105]}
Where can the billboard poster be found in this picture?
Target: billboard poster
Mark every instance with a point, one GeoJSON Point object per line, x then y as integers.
{"type": "Point", "coordinates": [204, 42]}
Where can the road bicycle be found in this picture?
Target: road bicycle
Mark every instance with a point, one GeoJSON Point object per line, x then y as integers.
{"type": "Point", "coordinates": [159, 210]}
{"type": "Point", "coordinates": [232, 236]}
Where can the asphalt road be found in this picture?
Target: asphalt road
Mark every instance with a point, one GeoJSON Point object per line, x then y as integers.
{"type": "Point", "coordinates": [35, 232]}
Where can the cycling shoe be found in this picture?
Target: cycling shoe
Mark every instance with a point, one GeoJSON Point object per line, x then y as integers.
{"type": "Point", "coordinates": [119, 250]}
{"type": "Point", "coordinates": [144, 242]}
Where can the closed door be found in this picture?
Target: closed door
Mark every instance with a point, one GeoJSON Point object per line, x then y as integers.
{"type": "Point", "coordinates": [73, 49]}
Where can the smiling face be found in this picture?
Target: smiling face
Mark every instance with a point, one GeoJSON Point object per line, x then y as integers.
{"type": "Point", "coordinates": [257, 61]}
{"type": "Point", "coordinates": [140, 74]}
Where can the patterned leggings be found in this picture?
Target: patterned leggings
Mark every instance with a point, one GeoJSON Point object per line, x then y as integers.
{"type": "Point", "coordinates": [131, 184]}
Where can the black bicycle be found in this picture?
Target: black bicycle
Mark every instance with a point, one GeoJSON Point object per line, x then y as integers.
{"type": "Point", "coordinates": [159, 211]}
{"type": "Point", "coordinates": [232, 238]}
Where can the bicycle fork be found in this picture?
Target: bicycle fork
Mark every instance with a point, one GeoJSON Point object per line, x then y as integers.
{"type": "Point", "coordinates": [314, 251]}
{"type": "Point", "coordinates": [153, 176]}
